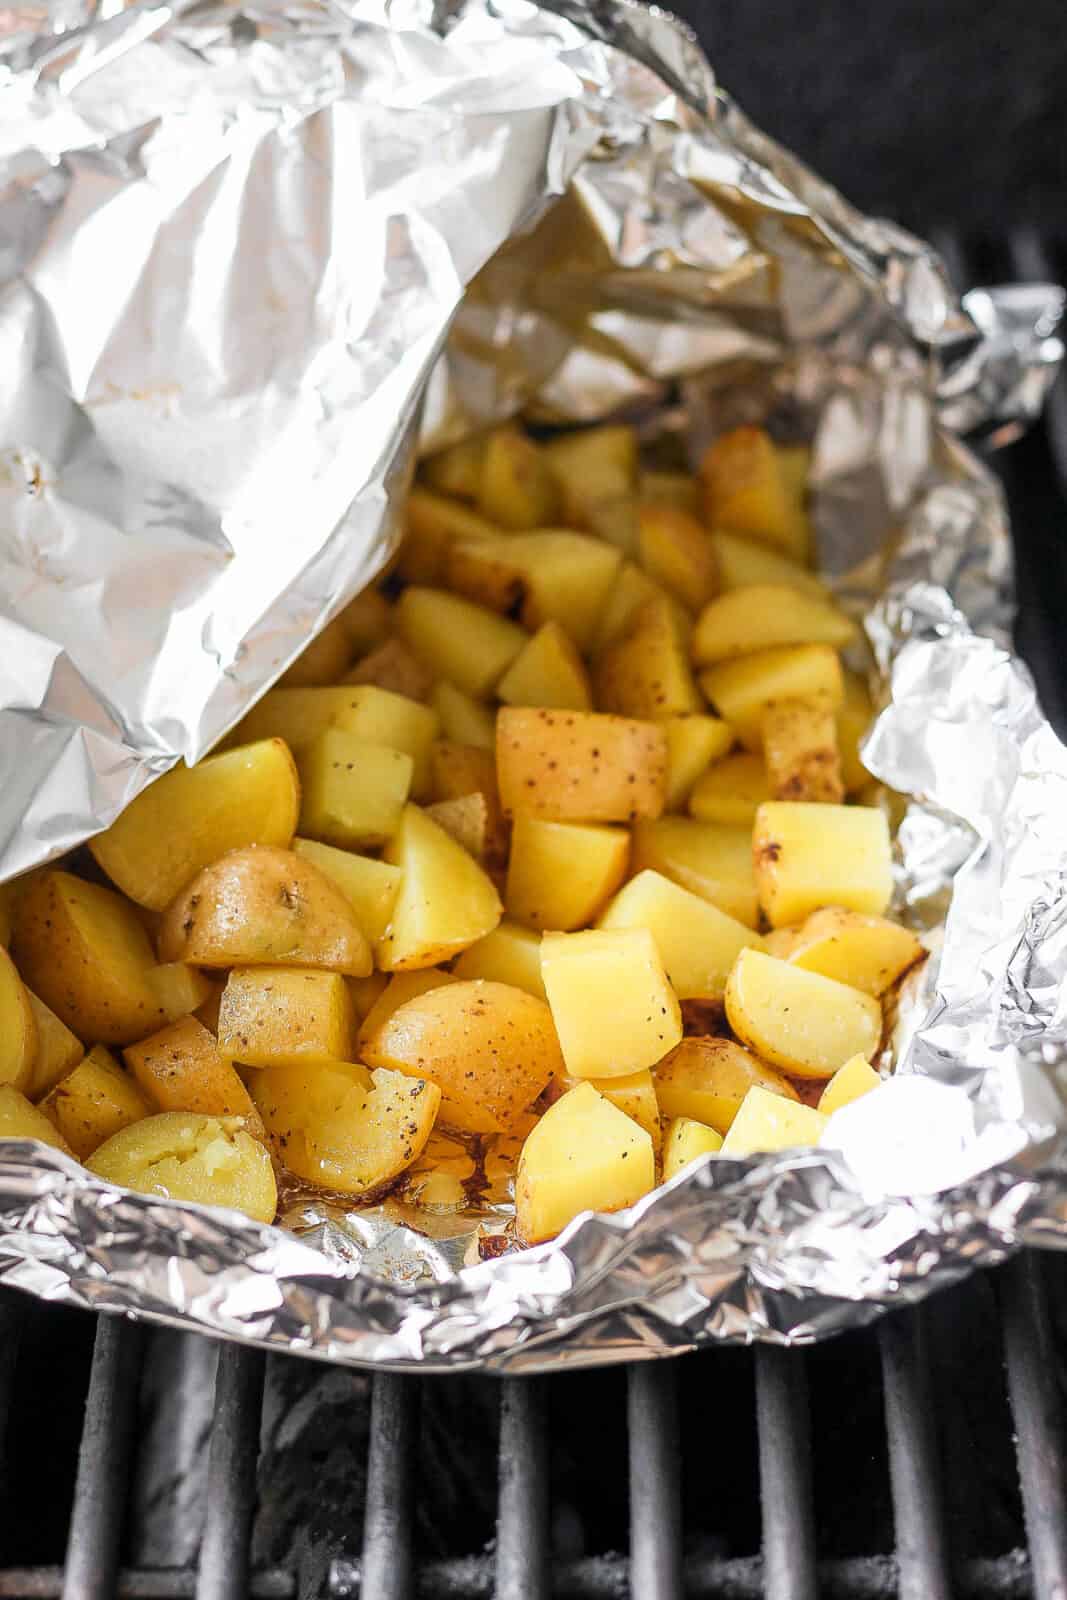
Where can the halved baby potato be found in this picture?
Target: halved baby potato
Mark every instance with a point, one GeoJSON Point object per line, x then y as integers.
{"type": "Point", "coordinates": [94, 1101]}
{"type": "Point", "coordinates": [179, 1155]}
{"type": "Point", "coordinates": [20, 1119]}
{"type": "Point", "coordinates": [180, 1068]}
{"type": "Point", "coordinates": [445, 901]}
{"type": "Point", "coordinates": [806, 1024]}
{"type": "Point", "coordinates": [868, 953]}
{"type": "Point", "coordinates": [706, 1079]}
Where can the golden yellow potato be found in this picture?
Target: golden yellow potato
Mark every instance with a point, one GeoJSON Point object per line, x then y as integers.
{"type": "Point", "coordinates": [369, 886]}
{"type": "Point", "coordinates": [58, 1050]}
{"type": "Point", "coordinates": [781, 942]}
{"type": "Point", "coordinates": [851, 1082]}
{"type": "Point", "coordinates": [548, 671]}
{"type": "Point", "coordinates": [18, 1027]}
{"type": "Point", "coordinates": [85, 952]}
{"type": "Point", "coordinates": [467, 644]}
{"type": "Point", "coordinates": [460, 770]}
{"type": "Point", "coordinates": [597, 469]}
{"type": "Point", "coordinates": [264, 907]}
{"type": "Point", "coordinates": [178, 1155]}
{"type": "Point", "coordinates": [685, 1142]}
{"type": "Point", "coordinates": [549, 576]}
{"type": "Point", "coordinates": [676, 552]}
{"type": "Point", "coordinates": [367, 620]}
{"type": "Point", "coordinates": [466, 819]}
{"type": "Point", "coordinates": [671, 489]}
{"type": "Point", "coordinates": [10, 894]}
{"type": "Point", "coordinates": [321, 662]}
{"type": "Point", "coordinates": [635, 1094]}
{"type": "Point", "coordinates": [445, 902]}
{"type": "Point", "coordinates": [510, 954]}
{"type": "Point", "coordinates": [744, 562]}
{"type": "Point", "coordinates": [631, 590]}
{"type": "Point", "coordinates": [868, 953]}
{"type": "Point", "coordinates": [731, 790]}
{"type": "Point", "coordinates": [93, 1102]}
{"type": "Point", "coordinates": [353, 792]}
{"type": "Point", "coordinates": [706, 1079]}
{"type": "Point", "coordinates": [809, 856]}
{"type": "Point", "coordinates": [747, 491]}
{"type": "Point", "coordinates": [457, 469]}
{"type": "Point", "coordinates": [180, 1068]}
{"type": "Point", "coordinates": [21, 1120]}
{"type": "Point", "coordinates": [285, 1016]}
{"type": "Point", "coordinates": [560, 874]}
{"type": "Point", "coordinates": [516, 487]}
{"type": "Point", "coordinates": [707, 858]}
{"type": "Point", "coordinates": [693, 743]}
{"type": "Point", "coordinates": [583, 1155]}
{"type": "Point", "coordinates": [766, 1122]}
{"type": "Point", "coordinates": [800, 750]}
{"type": "Point", "coordinates": [766, 617]}
{"type": "Point", "coordinates": [490, 1049]}
{"type": "Point", "coordinates": [178, 990]}
{"type": "Point", "coordinates": [396, 991]}
{"type": "Point", "coordinates": [646, 672]}
{"type": "Point", "coordinates": [612, 1003]}
{"type": "Point", "coordinates": [366, 992]}
{"type": "Point", "coordinates": [697, 942]}
{"type": "Point", "coordinates": [432, 523]}
{"type": "Point", "coordinates": [578, 766]}
{"type": "Point", "coordinates": [806, 1024]}
{"type": "Point", "coordinates": [464, 720]}
{"type": "Point", "coordinates": [854, 718]}
{"type": "Point", "coordinates": [742, 690]}
{"type": "Point", "coordinates": [377, 716]}
{"type": "Point", "coordinates": [393, 667]}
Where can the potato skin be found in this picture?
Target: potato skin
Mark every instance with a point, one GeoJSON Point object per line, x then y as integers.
{"type": "Point", "coordinates": [179, 1155]}
{"type": "Point", "coordinates": [580, 766]}
{"type": "Point", "coordinates": [489, 1047]}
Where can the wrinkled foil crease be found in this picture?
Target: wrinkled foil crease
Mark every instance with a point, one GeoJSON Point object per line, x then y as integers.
{"type": "Point", "coordinates": [252, 258]}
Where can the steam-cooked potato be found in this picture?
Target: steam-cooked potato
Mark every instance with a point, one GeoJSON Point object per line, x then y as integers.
{"type": "Point", "coordinates": [457, 469]}
{"type": "Point", "coordinates": [246, 796]}
{"type": "Point", "coordinates": [706, 1079]}
{"type": "Point", "coordinates": [747, 489]}
{"type": "Point", "coordinates": [180, 1068]}
{"type": "Point", "coordinates": [366, 620]}
{"type": "Point", "coordinates": [464, 720]}
{"type": "Point", "coordinates": [707, 858]}
{"type": "Point", "coordinates": [365, 711]}
{"type": "Point", "coordinates": [284, 1016]}
{"type": "Point", "coordinates": [867, 953]}
{"type": "Point", "coordinates": [516, 487]}
{"type": "Point", "coordinates": [21, 1120]}
{"type": "Point", "coordinates": [178, 990]}
{"type": "Point", "coordinates": [743, 562]}
{"type": "Point", "coordinates": [806, 1024]}
{"type": "Point", "coordinates": [597, 470]}
{"type": "Point", "coordinates": [685, 1142]}
{"type": "Point", "coordinates": [631, 590]}
{"type": "Point", "coordinates": [645, 672]}
{"type": "Point", "coordinates": [671, 489]}
{"type": "Point", "coordinates": [392, 666]}
{"type": "Point", "coordinates": [809, 856]}
{"type": "Point", "coordinates": [369, 886]}
{"type": "Point", "coordinates": [548, 671]}
{"type": "Point", "coordinates": [445, 901]}
{"type": "Point", "coordinates": [612, 1003]}
{"type": "Point", "coordinates": [731, 790]}
{"type": "Point", "coordinates": [510, 954]}
{"type": "Point", "coordinates": [85, 952]}
{"type": "Point", "coordinates": [675, 550]}
{"type": "Point", "coordinates": [58, 1050]}
{"type": "Point", "coordinates": [551, 576]}
{"type": "Point", "coordinates": [264, 907]}
{"type": "Point", "coordinates": [577, 766]}
{"type": "Point", "coordinates": [397, 991]}
{"type": "Point", "coordinates": [353, 792]}
{"type": "Point", "coordinates": [18, 1027]}
{"type": "Point", "coordinates": [742, 690]}
{"type": "Point", "coordinates": [490, 1049]}
{"type": "Point", "coordinates": [766, 617]}
{"type": "Point", "coordinates": [467, 644]}
{"type": "Point", "coordinates": [93, 1102]}
{"type": "Point", "coordinates": [851, 1082]}
{"type": "Point", "coordinates": [321, 662]}
{"type": "Point", "coordinates": [800, 750]}
{"type": "Point", "coordinates": [693, 743]}
{"type": "Point", "coordinates": [583, 1155]}
{"type": "Point", "coordinates": [466, 819]}
{"type": "Point", "coordinates": [178, 1155]}
{"type": "Point", "coordinates": [697, 942]}
{"type": "Point", "coordinates": [433, 523]}
{"type": "Point", "coordinates": [635, 1094]}
{"type": "Point", "coordinates": [766, 1122]}
{"type": "Point", "coordinates": [560, 874]}
{"type": "Point", "coordinates": [854, 717]}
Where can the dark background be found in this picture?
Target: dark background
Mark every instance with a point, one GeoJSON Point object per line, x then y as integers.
{"type": "Point", "coordinates": [928, 111]}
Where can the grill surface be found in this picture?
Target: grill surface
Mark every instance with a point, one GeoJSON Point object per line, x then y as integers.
{"type": "Point", "coordinates": [383, 1488]}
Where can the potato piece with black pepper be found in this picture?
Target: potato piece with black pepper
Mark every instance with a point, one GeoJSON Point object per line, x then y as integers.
{"type": "Point", "coordinates": [284, 1016]}
{"type": "Point", "coordinates": [580, 766]}
{"type": "Point", "coordinates": [178, 1155]}
{"type": "Point", "coordinates": [180, 1068]}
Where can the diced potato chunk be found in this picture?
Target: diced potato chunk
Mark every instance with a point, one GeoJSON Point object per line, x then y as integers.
{"type": "Point", "coordinates": [856, 1078]}
{"type": "Point", "coordinates": [747, 491]}
{"type": "Point", "coordinates": [178, 1155]}
{"type": "Point", "coordinates": [488, 1047]}
{"type": "Point", "coordinates": [612, 1003]}
{"type": "Point", "coordinates": [321, 662]}
{"type": "Point", "coordinates": [576, 766]}
{"type": "Point", "coordinates": [245, 796]}
{"type": "Point", "coordinates": [432, 524]}
{"type": "Point", "coordinates": [766, 1123]}
{"type": "Point", "coordinates": [810, 856]}
{"type": "Point", "coordinates": [742, 690]}
{"type": "Point", "coordinates": [21, 1120]}
{"type": "Point", "coordinates": [631, 590]}
{"type": "Point", "coordinates": [516, 488]}
{"type": "Point", "coordinates": [374, 715]}
{"type": "Point", "coordinates": [697, 942]}
{"type": "Point", "coordinates": [296, 716]}
{"type": "Point", "coordinates": [353, 792]}
{"type": "Point", "coordinates": [369, 886]}
{"type": "Point", "coordinates": [365, 992]}
{"type": "Point", "coordinates": [706, 1079]}
{"type": "Point", "coordinates": [264, 907]}
{"type": "Point", "coordinates": [707, 858]}
{"type": "Point", "coordinates": [446, 902]}
{"type": "Point", "coordinates": [743, 562]}
{"type": "Point", "coordinates": [510, 954]}
{"type": "Point", "coordinates": [806, 1024]}
{"type": "Point", "coordinates": [178, 990]}
{"type": "Point", "coordinates": [464, 720]}
{"type": "Point", "coordinates": [551, 576]}
{"type": "Point", "coordinates": [548, 671]}
{"type": "Point", "coordinates": [646, 672]}
{"type": "Point", "coordinates": [686, 1142]}
{"type": "Point", "coordinates": [180, 1068]}
{"type": "Point", "coordinates": [457, 469]}
{"type": "Point", "coordinates": [465, 643]}
{"type": "Point", "coordinates": [398, 990]}
{"type": "Point", "coordinates": [466, 819]}
{"type": "Point", "coordinates": [18, 1026]}
{"type": "Point", "coordinates": [766, 617]}
{"type": "Point", "coordinates": [693, 743]}
{"type": "Point", "coordinates": [93, 1102]}
{"type": "Point", "coordinates": [58, 1050]}
{"type": "Point", "coordinates": [854, 718]}
{"type": "Point", "coordinates": [635, 1095]}
{"type": "Point", "coordinates": [560, 874]}
{"type": "Point", "coordinates": [583, 1155]}
{"type": "Point", "coordinates": [597, 470]}
{"type": "Point", "coordinates": [800, 750]}
{"type": "Point", "coordinates": [284, 1016]}
{"type": "Point", "coordinates": [393, 667]}
{"type": "Point", "coordinates": [676, 552]}
{"type": "Point", "coordinates": [867, 953]}
{"type": "Point", "coordinates": [731, 791]}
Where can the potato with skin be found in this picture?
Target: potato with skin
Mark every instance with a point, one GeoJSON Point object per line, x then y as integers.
{"type": "Point", "coordinates": [748, 490]}
{"type": "Point", "coordinates": [685, 1142]}
{"type": "Point", "coordinates": [510, 954]}
{"type": "Point", "coordinates": [398, 990]}
{"type": "Point", "coordinates": [741, 690]}
{"type": "Point", "coordinates": [560, 874]}
{"type": "Point", "coordinates": [369, 886]}
{"type": "Point", "coordinates": [583, 1155]}
{"type": "Point", "coordinates": [766, 1122]}
{"type": "Point", "coordinates": [612, 1003]}
{"type": "Point", "coordinates": [800, 751]}
{"type": "Point", "coordinates": [676, 552]}
{"type": "Point", "coordinates": [488, 1047]}
{"type": "Point", "coordinates": [460, 770]}
{"type": "Point", "coordinates": [516, 487]}
{"type": "Point", "coordinates": [193, 815]}
{"type": "Point", "coordinates": [868, 953]}
{"type": "Point", "coordinates": [575, 766]}
{"type": "Point", "coordinates": [285, 1016]}
{"type": "Point", "coordinates": [466, 819]}
{"type": "Point", "coordinates": [85, 952]}
{"type": "Point", "coordinates": [180, 1068]}
{"type": "Point", "coordinates": [93, 1102]}
{"type": "Point", "coordinates": [177, 1155]}
{"type": "Point", "coordinates": [58, 1050]}
{"type": "Point", "coordinates": [432, 524]}
{"type": "Point", "coordinates": [706, 1079]}
{"type": "Point", "coordinates": [809, 856]}
{"type": "Point", "coordinates": [707, 858]}
{"type": "Point", "coordinates": [322, 661]}
{"type": "Point", "coordinates": [549, 576]}
{"type": "Point", "coordinates": [799, 1021]}
{"type": "Point", "coordinates": [393, 667]}
{"type": "Point", "coordinates": [21, 1120]}
{"type": "Point", "coordinates": [646, 672]}
{"type": "Point", "coordinates": [445, 902]}
{"type": "Point", "coordinates": [731, 790]}
{"type": "Point", "coordinates": [766, 617]}
{"type": "Point", "coordinates": [18, 1027]}
{"type": "Point", "coordinates": [263, 907]}
{"type": "Point", "coordinates": [697, 942]}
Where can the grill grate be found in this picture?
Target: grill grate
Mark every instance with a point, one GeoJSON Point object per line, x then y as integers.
{"type": "Point", "coordinates": [673, 1550]}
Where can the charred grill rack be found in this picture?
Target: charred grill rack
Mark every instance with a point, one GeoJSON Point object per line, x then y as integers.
{"type": "Point", "coordinates": [729, 1474]}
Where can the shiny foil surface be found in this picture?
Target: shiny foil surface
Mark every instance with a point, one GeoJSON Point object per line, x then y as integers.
{"type": "Point", "coordinates": [251, 260]}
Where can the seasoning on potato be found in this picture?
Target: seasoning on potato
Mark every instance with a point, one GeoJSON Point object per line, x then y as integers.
{"type": "Point", "coordinates": [544, 873]}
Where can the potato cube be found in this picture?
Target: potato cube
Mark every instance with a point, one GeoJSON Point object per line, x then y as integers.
{"type": "Point", "coordinates": [686, 1142]}
{"type": "Point", "coordinates": [560, 874]}
{"type": "Point", "coordinates": [464, 720]}
{"type": "Point", "coordinates": [742, 690]}
{"type": "Point", "coordinates": [516, 488]}
{"type": "Point", "coordinates": [369, 886]}
{"type": "Point", "coordinates": [671, 489]}
{"type": "Point", "coordinates": [867, 953]}
{"type": "Point", "coordinates": [732, 790]}
{"type": "Point", "coordinates": [550, 576]}
{"type": "Point", "coordinates": [800, 750]}
{"type": "Point", "coordinates": [583, 1155]}
{"type": "Point", "coordinates": [810, 856]}
{"type": "Point", "coordinates": [322, 661]}
{"type": "Point", "coordinates": [377, 716]}
{"type": "Point", "coordinates": [693, 743]}
{"type": "Point", "coordinates": [578, 766]}
{"type": "Point", "coordinates": [454, 639]}
{"type": "Point", "coordinates": [747, 491]}
{"type": "Point", "coordinates": [676, 552]}
{"type": "Point", "coordinates": [548, 671]}
{"type": "Point", "coordinates": [93, 1102]}
{"type": "Point", "coordinates": [398, 989]}
{"type": "Point", "coordinates": [766, 617]}
{"type": "Point", "coordinates": [510, 954]}
{"type": "Point", "coordinates": [432, 524]}
{"type": "Point", "coordinates": [353, 793]}
{"type": "Point", "coordinates": [635, 1095]}
{"type": "Point", "coordinates": [21, 1120]}
{"type": "Point", "coordinates": [631, 590]}
{"type": "Point", "coordinates": [613, 1005]}
{"type": "Point", "coordinates": [706, 1079]}
{"type": "Point", "coordinates": [18, 1033]}
{"type": "Point", "coordinates": [180, 1069]}
{"type": "Point", "coordinates": [707, 858]}
{"type": "Point", "coordinates": [743, 562]}
{"type": "Point", "coordinates": [392, 667]}
{"type": "Point", "coordinates": [296, 716]}
{"type": "Point", "coordinates": [58, 1051]}
{"type": "Point", "coordinates": [854, 718]}
{"type": "Point", "coordinates": [804, 1023]}
{"type": "Point", "coordinates": [179, 989]}
{"type": "Point", "coordinates": [445, 902]}
{"type": "Point", "coordinates": [181, 1156]}
{"type": "Point", "coordinates": [457, 469]}
{"type": "Point", "coordinates": [856, 1078]}
{"type": "Point", "coordinates": [595, 468]}
{"type": "Point", "coordinates": [646, 672]}
{"type": "Point", "coordinates": [467, 820]}
{"type": "Point", "coordinates": [285, 1016]}
{"type": "Point", "coordinates": [766, 1123]}
{"type": "Point", "coordinates": [697, 942]}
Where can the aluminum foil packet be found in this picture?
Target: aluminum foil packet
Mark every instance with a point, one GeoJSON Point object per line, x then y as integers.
{"type": "Point", "coordinates": [253, 258]}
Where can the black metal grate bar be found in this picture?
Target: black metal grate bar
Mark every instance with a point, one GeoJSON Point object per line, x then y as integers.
{"type": "Point", "coordinates": [522, 1515]}
{"type": "Point", "coordinates": [103, 1459]}
{"type": "Point", "coordinates": [785, 1475]}
{"type": "Point", "coordinates": [655, 1492]}
{"type": "Point", "coordinates": [388, 1564]}
{"type": "Point", "coordinates": [231, 1498]}
{"type": "Point", "coordinates": [11, 1319]}
{"type": "Point", "coordinates": [914, 1468]}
